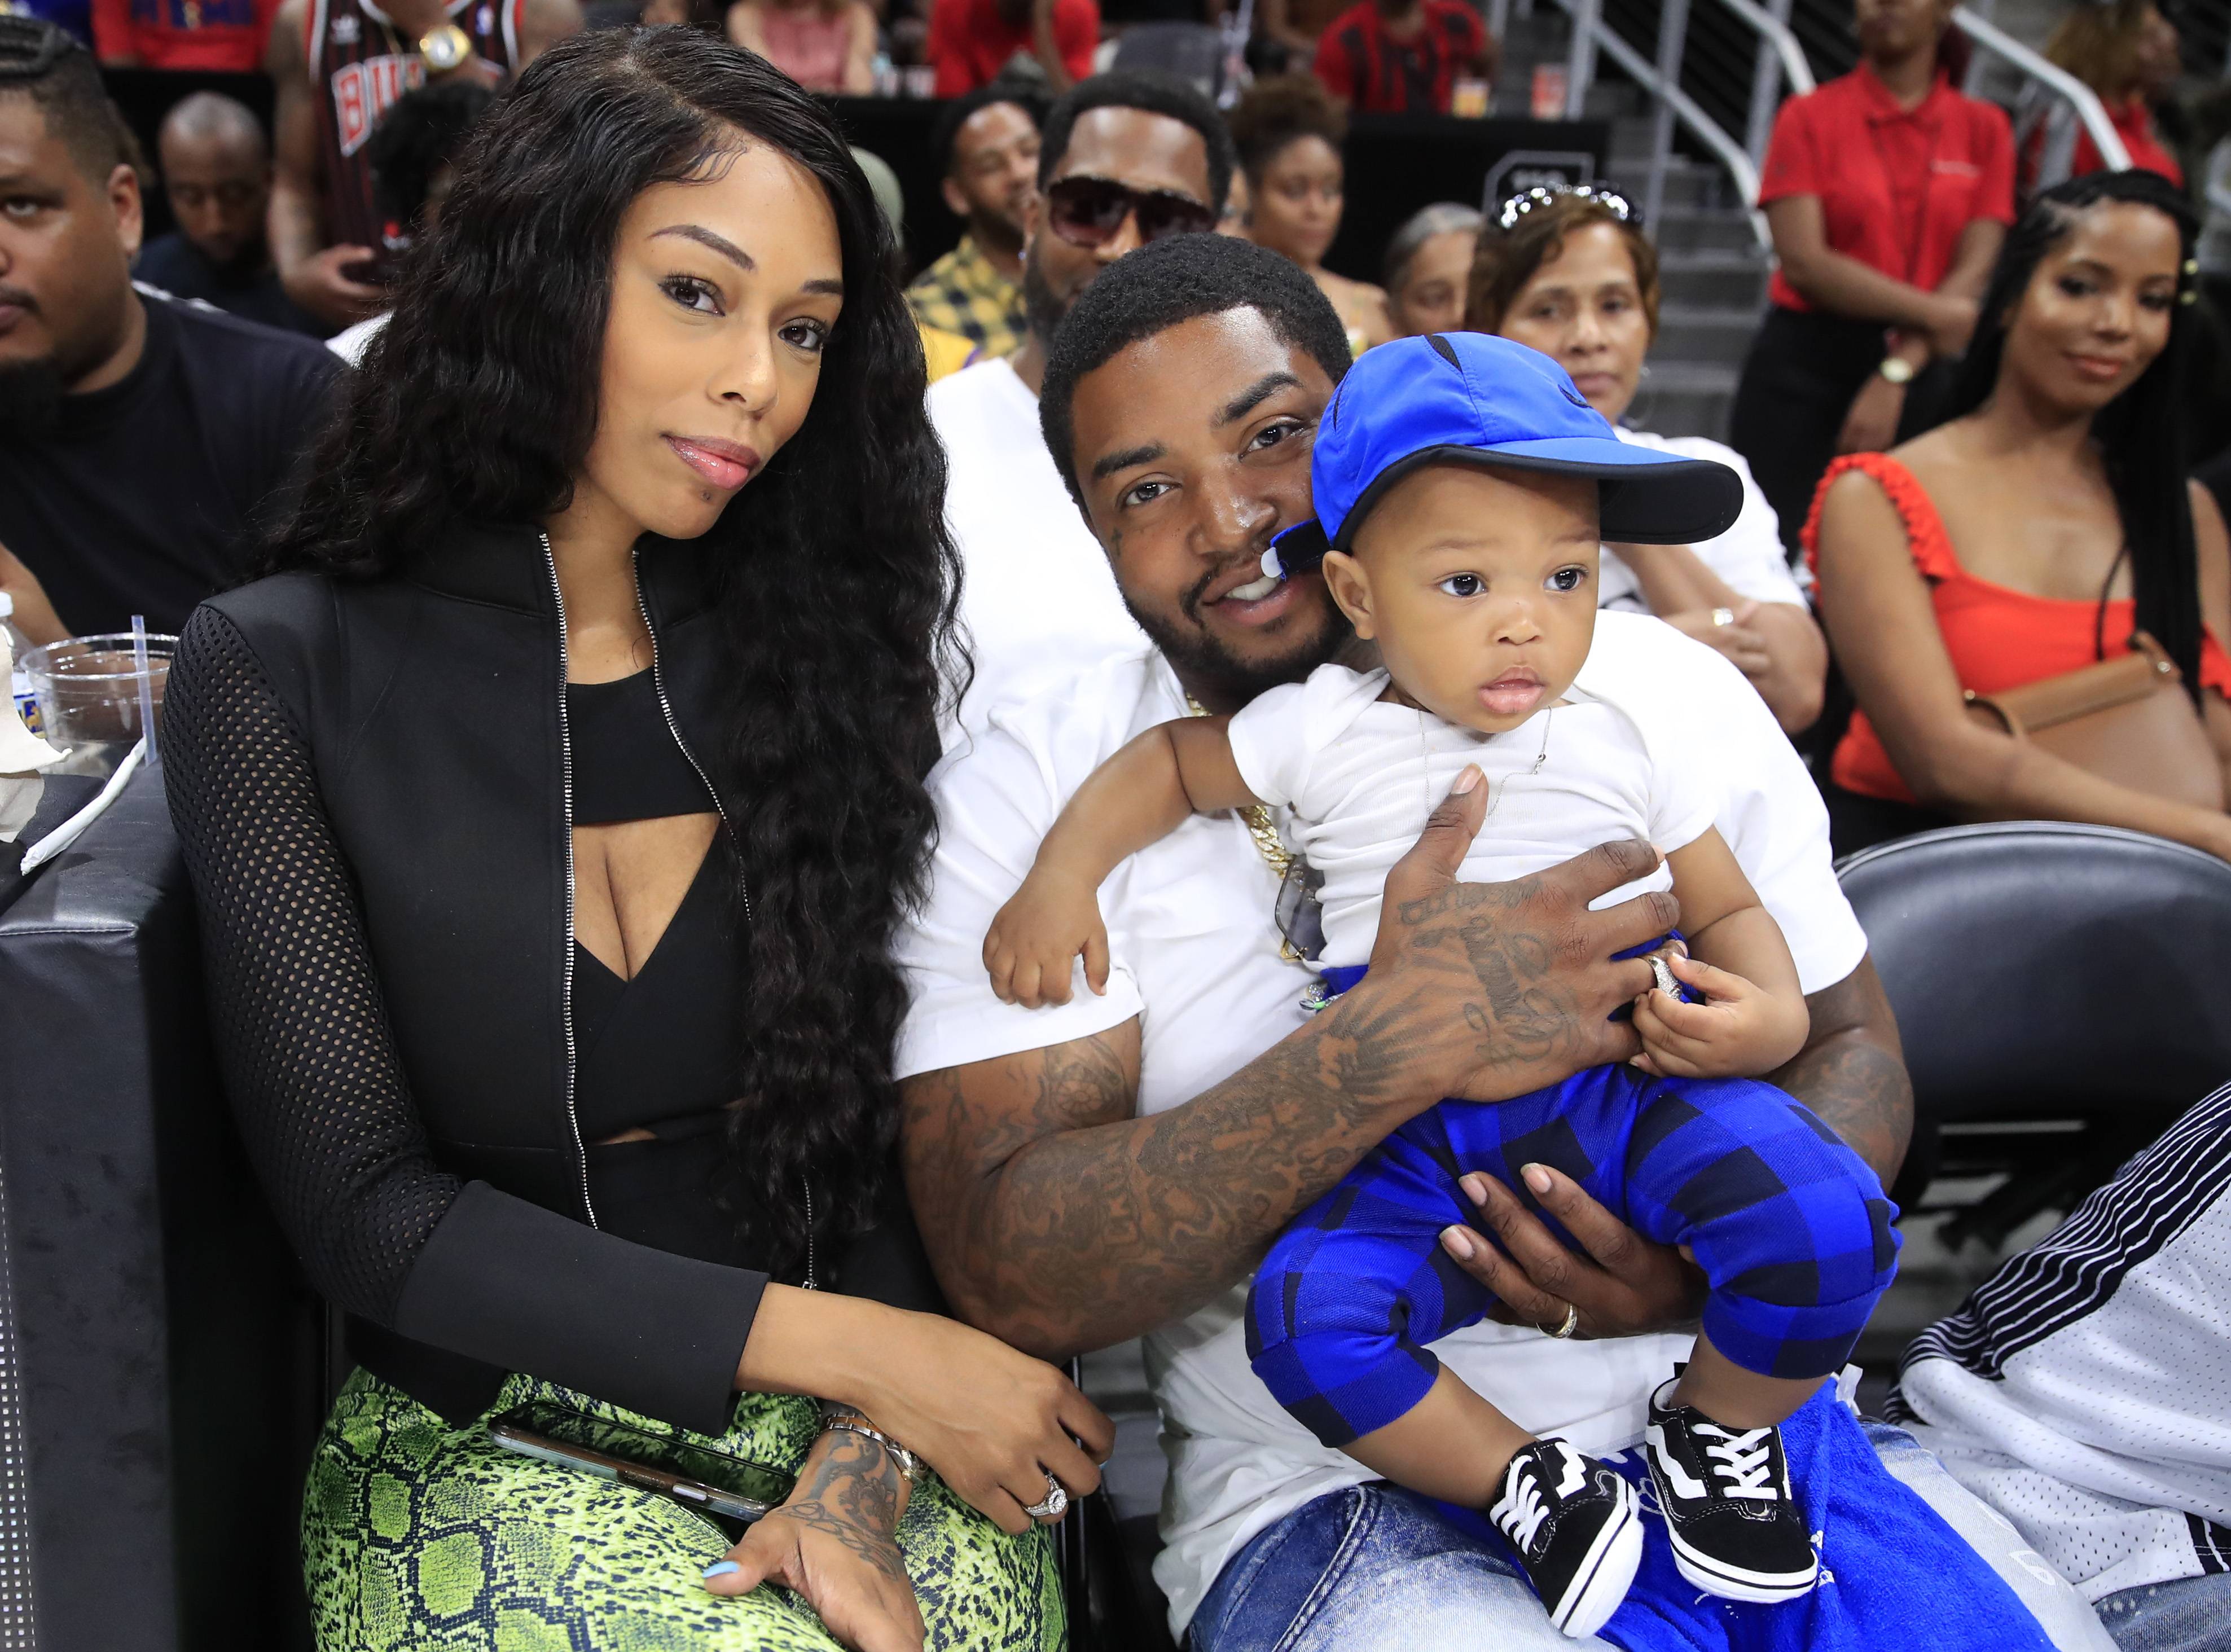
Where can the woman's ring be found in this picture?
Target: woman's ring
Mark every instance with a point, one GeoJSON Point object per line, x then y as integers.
{"type": "Point", "coordinates": [1724, 617]}
{"type": "Point", "coordinates": [1572, 1323]}
{"type": "Point", "coordinates": [1057, 1500]}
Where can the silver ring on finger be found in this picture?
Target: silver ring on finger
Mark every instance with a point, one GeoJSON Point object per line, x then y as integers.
{"type": "Point", "coordinates": [1724, 617]}
{"type": "Point", "coordinates": [1572, 1323]}
{"type": "Point", "coordinates": [1056, 1504]}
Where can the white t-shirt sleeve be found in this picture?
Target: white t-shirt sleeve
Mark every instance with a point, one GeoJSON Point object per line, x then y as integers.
{"type": "Point", "coordinates": [1272, 744]}
{"type": "Point", "coordinates": [1769, 811]}
{"type": "Point", "coordinates": [1277, 737]}
{"type": "Point", "coordinates": [1685, 796]}
{"type": "Point", "coordinates": [997, 796]}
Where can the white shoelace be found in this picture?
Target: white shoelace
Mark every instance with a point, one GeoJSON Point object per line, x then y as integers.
{"type": "Point", "coordinates": [1743, 1463]}
{"type": "Point", "coordinates": [1521, 1512]}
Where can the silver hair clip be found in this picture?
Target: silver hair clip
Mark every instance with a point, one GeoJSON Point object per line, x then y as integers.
{"type": "Point", "coordinates": [1543, 194]}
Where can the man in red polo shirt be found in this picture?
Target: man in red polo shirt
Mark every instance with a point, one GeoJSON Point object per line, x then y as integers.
{"type": "Point", "coordinates": [970, 40]}
{"type": "Point", "coordinates": [1403, 56]}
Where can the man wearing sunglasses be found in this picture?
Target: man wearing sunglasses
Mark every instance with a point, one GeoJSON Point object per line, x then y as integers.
{"type": "Point", "coordinates": [1115, 1165]}
{"type": "Point", "coordinates": [1126, 159]}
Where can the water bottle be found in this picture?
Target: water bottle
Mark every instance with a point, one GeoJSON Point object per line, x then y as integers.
{"type": "Point", "coordinates": [27, 703]}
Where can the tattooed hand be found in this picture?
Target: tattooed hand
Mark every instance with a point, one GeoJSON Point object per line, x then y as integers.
{"type": "Point", "coordinates": [833, 1542]}
{"type": "Point", "coordinates": [1504, 987]}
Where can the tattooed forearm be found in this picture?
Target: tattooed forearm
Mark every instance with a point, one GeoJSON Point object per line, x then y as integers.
{"type": "Point", "coordinates": [1851, 1073]}
{"type": "Point", "coordinates": [1059, 1221]}
{"type": "Point", "coordinates": [851, 1491]}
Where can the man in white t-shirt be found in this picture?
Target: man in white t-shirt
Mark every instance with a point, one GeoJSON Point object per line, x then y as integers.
{"type": "Point", "coordinates": [1115, 1166]}
{"type": "Point", "coordinates": [1123, 159]}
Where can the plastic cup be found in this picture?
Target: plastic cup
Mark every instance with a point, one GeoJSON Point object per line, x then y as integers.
{"type": "Point", "coordinates": [88, 690]}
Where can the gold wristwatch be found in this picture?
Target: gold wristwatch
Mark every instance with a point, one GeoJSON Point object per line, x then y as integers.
{"type": "Point", "coordinates": [1896, 369]}
{"type": "Point", "coordinates": [445, 49]}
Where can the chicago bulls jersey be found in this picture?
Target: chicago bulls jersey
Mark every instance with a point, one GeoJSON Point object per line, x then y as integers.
{"type": "Point", "coordinates": [360, 63]}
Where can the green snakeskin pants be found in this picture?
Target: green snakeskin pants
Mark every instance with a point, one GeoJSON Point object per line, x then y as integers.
{"type": "Point", "coordinates": [417, 1536]}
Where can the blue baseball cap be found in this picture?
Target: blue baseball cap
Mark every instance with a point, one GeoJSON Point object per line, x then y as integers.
{"type": "Point", "coordinates": [1472, 399]}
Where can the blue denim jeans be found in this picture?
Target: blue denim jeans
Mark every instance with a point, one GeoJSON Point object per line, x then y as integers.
{"type": "Point", "coordinates": [2191, 1615]}
{"type": "Point", "coordinates": [1374, 1566]}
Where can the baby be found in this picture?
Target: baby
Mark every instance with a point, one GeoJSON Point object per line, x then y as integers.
{"type": "Point", "coordinates": [1463, 488]}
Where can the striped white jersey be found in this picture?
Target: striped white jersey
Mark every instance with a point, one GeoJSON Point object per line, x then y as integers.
{"type": "Point", "coordinates": [2084, 1390]}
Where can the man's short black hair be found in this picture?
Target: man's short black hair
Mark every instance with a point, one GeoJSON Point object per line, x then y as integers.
{"type": "Point", "coordinates": [423, 132]}
{"type": "Point", "coordinates": [62, 78]}
{"type": "Point", "coordinates": [1160, 94]}
{"type": "Point", "coordinates": [956, 114]}
{"type": "Point", "coordinates": [1152, 290]}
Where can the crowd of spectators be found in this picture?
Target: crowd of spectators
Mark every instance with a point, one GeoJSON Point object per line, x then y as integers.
{"type": "Point", "coordinates": [1964, 429]}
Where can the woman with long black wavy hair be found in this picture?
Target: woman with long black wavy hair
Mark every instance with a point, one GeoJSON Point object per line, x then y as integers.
{"type": "Point", "coordinates": [550, 812]}
{"type": "Point", "coordinates": [2032, 533]}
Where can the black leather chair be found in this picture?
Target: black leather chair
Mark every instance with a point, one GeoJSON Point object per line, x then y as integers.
{"type": "Point", "coordinates": [161, 1359]}
{"type": "Point", "coordinates": [2061, 991]}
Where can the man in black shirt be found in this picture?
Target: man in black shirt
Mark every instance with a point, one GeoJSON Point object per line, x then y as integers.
{"type": "Point", "coordinates": [141, 438]}
{"type": "Point", "coordinates": [216, 173]}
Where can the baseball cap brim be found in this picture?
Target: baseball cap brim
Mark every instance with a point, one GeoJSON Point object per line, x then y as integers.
{"type": "Point", "coordinates": [1647, 497]}
{"type": "Point", "coordinates": [1643, 496]}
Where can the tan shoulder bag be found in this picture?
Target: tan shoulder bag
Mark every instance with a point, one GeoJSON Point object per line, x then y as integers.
{"type": "Point", "coordinates": [2127, 720]}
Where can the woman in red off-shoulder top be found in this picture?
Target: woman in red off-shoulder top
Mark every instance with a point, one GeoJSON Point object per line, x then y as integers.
{"type": "Point", "coordinates": [2032, 533]}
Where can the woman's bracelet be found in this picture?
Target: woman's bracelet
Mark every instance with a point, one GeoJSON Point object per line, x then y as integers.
{"type": "Point", "coordinates": [837, 1416]}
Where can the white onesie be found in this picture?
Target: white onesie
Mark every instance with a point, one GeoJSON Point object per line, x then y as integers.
{"type": "Point", "coordinates": [1358, 776]}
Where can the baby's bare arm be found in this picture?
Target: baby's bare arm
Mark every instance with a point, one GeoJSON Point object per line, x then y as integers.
{"type": "Point", "coordinates": [1754, 1018]}
{"type": "Point", "coordinates": [1137, 798]}
{"type": "Point", "coordinates": [1141, 795]}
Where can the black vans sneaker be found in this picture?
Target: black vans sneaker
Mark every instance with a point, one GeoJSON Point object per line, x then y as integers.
{"type": "Point", "coordinates": [1737, 1532]}
{"type": "Point", "coordinates": [1578, 1530]}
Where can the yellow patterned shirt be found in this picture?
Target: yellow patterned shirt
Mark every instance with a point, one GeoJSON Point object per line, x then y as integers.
{"type": "Point", "coordinates": [962, 292]}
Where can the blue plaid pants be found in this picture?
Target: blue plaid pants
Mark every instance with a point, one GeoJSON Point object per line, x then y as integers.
{"type": "Point", "coordinates": [1790, 1226]}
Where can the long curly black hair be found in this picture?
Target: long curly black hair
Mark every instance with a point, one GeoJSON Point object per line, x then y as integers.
{"type": "Point", "coordinates": [477, 402]}
{"type": "Point", "coordinates": [2141, 432]}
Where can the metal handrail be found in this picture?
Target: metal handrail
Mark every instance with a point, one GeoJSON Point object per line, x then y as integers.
{"type": "Point", "coordinates": [1776, 34]}
{"type": "Point", "coordinates": [1684, 107]}
{"type": "Point", "coordinates": [2112, 152]}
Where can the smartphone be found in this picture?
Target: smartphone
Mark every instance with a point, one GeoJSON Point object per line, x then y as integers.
{"type": "Point", "coordinates": [714, 1482]}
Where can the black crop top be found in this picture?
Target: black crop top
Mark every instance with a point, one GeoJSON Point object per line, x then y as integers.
{"type": "Point", "coordinates": [627, 764]}
{"type": "Point", "coordinates": [658, 1051]}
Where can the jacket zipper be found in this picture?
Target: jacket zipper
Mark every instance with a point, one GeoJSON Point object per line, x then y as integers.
{"type": "Point", "coordinates": [666, 709]}
{"type": "Point", "coordinates": [566, 787]}
{"type": "Point", "coordinates": [743, 878]}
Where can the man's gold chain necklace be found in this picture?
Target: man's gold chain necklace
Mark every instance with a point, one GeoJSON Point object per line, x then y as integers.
{"type": "Point", "coordinates": [1255, 817]}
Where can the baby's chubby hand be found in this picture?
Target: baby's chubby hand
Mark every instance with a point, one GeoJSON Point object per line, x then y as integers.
{"type": "Point", "coordinates": [1039, 934]}
{"type": "Point", "coordinates": [1739, 1031]}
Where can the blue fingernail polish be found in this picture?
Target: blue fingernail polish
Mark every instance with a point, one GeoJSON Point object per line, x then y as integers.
{"type": "Point", "coordinates": [722, 1569]}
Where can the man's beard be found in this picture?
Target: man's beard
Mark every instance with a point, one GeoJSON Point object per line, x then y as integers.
{"type": "Point", "coordinates": [1201, 660]}
{"type": "Point", "coordinates": [1042, 308]}
{"type": "Point", "coordinates": [31, 397]}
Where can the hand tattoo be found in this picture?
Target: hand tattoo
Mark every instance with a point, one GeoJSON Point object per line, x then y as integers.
{"type": "Point", "coordinates": [850, 1493]}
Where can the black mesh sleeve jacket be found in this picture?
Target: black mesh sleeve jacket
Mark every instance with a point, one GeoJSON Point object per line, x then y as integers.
{"type": "Point", "coordinates": [368, 780]}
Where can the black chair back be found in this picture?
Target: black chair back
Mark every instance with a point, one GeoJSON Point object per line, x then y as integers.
{"type": "Point", "coordinates": [2042, 970]}
{"type": "Point", "coordinates": [2060, 990]}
